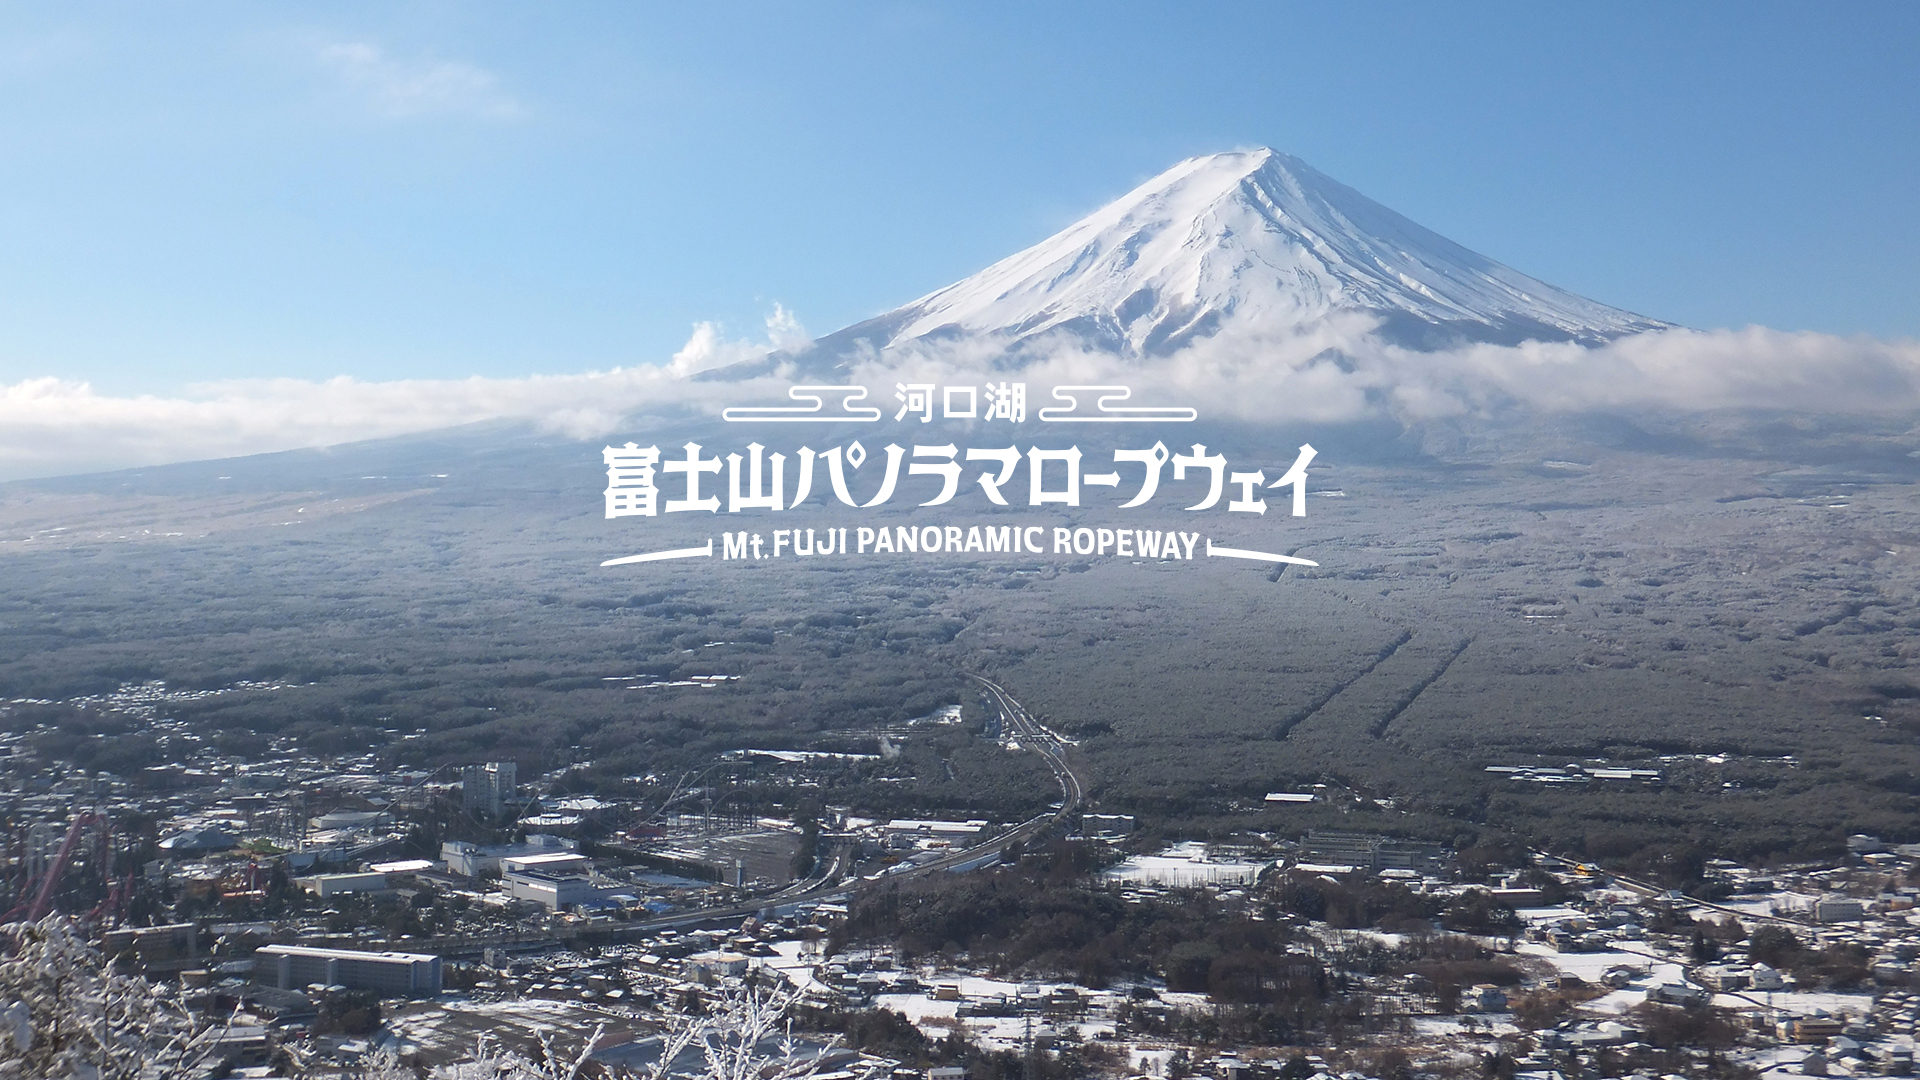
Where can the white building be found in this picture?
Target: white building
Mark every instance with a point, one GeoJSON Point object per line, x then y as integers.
{"type": "Point", "coordinates": [335, 884]}
{"type": "Point", "coordinates": [586, 806]}
{"type": "Point", "coordinates": [392, 974]}
{"type": "Point", "coordinates": [351, 819]}
{"type": "Point", "coordinates": [1837, 909]}
{"type": "Point", "coordinates": [405, 866]}
{"type": "Point", "coordinates": [555, 892]}
{"type": "Point", "coordinates": [472, 860]}
{"type": "Point", "coordinates": [709, 967]}
{"type": "Point", "coordinates": [489, 787]}
{"type": "Point", "coordinates": [909, 832]}
{"type": "Point", "coordinates": [552, 862]}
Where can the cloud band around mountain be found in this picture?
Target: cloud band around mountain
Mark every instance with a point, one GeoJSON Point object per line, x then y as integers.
{"type": "Point", "coordinates": [1332, 372]}
{"type": "Point", "coordinates": [1339, 370]}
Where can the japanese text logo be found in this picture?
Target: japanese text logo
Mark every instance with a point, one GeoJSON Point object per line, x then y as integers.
{"type": "Point", "coordinates": [652, 482]}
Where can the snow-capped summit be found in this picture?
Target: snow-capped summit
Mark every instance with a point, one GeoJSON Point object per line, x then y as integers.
{"type": "Point", "coordinates": [1248, 236]}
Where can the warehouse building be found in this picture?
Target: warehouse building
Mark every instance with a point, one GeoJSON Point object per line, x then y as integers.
{"type": "Point", "coordinates": [553, 891]}
{"type": "Point", "coordinates": [1372, 853]}
{"type": "Point", "coordinates": [336, 884]}
{"type": "Point", "coordinates": [390, 974]}
{"type": "Point", "coordinates": [472, 860]}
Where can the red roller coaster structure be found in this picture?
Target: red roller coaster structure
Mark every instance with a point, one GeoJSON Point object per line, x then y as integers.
{"type": "Point", "coordinates": [36, 909]}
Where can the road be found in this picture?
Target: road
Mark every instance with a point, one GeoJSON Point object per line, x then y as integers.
{"type": "Point", "coordinates": [1649, 889]}
{"type": "Point", "coordinates": [1035, 736]}
{"type": "Point", "coordinates": [1032, 735]}
{"type": "Point", "coordinates": [832, 883]}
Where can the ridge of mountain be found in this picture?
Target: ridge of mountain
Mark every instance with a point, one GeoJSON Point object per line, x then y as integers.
{"type": "Point", "coordinates": [1255, 238]}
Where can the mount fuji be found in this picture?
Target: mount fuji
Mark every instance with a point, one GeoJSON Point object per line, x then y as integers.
{"type": "Point", "coordinates": [1253, 238]}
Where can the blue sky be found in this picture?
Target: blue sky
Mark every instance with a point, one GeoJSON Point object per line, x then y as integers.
{"type": "Point", "coordinates": [435, 190]}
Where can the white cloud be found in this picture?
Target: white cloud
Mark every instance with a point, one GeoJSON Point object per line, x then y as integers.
{"type": "Point", "coordinates": [1338, 370]}
{"type": "Point", "coordinates": [1332, 372]}
{"type": "Point", "coordinates": [708, 348]}
{"type": "Point", "coordinates": [1754, 368]}
{"type": "Point", "coordinates": [50, 426]}
{"type": "Point", "coordinates": [408, 89]}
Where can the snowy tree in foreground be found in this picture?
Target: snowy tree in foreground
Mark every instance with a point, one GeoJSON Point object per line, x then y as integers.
{"type": "Point", "coordinates": [64, 1014]}
{"type": "Point", "coordinates": [746, 1035]}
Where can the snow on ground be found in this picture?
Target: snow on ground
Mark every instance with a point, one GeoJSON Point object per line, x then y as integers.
{"type": "Point", "coordinates": [1559, 913]}
{"type": "Point", "coordinates": [1185, 864]}
{"type": "Point", "coordinates": [1010, 1032]}
{"type": "Point", "coordinates": [1778, 1060]}
{"type": "Point", "coordinates": [451, 1024]}
{"type": "Point", "coordinates": [936, 1018]}
{"type": "Point", "coordinates": [1799, 1003]}
{"type": "Point", "coordinates": [975, 987]}
{"type": "Point", "coordinates": [1384, 939]}
{"type": "Point", "coordinates": [918, 1008]}
{"type": "Point", "coordinates": [1150, 1062]}
{"type": "Point", "coordinates": [1617, 1002]}
{"type": "Point", "coordinates": [1665, 971]}
{"type": "Point", "coordinates": [932, 1016]}
{"type": "Point", "coordinates": [1758, 905]}
{"type": "Point", "coordinates": [1440, 1027]}
{"type": "Point", "coordinates": [790, 959]}
{"type": "Point", "coordinates": [1586, 966]}
{"type": "Point", "coordinates": [1656, 973]}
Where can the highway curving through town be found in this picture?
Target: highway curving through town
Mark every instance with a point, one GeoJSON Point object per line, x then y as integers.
{"type": "Point", "coordinates": [1037, 737]}
{"type": "Point", "coordinates": [834, 884]}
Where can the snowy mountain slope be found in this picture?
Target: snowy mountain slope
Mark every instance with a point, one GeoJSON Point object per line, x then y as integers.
{"type": "Point", "coordinates": [1254, 237]}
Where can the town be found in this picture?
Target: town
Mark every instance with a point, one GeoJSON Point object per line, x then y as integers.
{"type": "Point", "coordinates": [449, 629]}
{"type": "Point", "coordinates": [315, 916]}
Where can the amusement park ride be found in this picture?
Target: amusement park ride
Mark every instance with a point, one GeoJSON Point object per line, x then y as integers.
{"type": "Point", "coordinates": [40, 885]}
